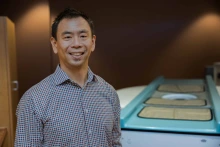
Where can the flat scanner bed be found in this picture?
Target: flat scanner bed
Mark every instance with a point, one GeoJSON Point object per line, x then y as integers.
{"type": "Point", "coordinates": [175, 113]}
{"type": "Point", "coordinates": [149, 111]}
{"type": "Point", "coordinates": [166, 102]}
{"type": "Point", "coordinates": [179, 88]}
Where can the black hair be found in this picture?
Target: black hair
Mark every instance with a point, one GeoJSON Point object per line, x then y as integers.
{"type": "Point", "coordinates": [70, 13]}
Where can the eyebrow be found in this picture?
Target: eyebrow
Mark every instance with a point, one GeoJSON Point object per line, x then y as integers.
{"type": "Point", "coordinates": [68, 32]}
{"type": "Point", "coordinates": [83, 31]}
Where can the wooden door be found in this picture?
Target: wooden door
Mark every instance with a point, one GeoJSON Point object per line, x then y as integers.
{"type": "Point", "coordinates": [8, 77]}
{"type": "Point", "coordinates": [13, 85]}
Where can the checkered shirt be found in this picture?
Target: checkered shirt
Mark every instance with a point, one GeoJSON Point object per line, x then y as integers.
{"type": "Point", "coordinates": [58, 112]}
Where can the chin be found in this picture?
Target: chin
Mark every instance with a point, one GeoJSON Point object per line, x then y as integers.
{"type": "Point", "coordinates": [77, 64]}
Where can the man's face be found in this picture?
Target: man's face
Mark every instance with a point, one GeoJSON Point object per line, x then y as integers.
{"type": "Point", "coordinates": [74, 42]}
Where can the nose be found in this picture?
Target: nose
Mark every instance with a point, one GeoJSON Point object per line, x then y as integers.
{"type": "Point", "coordinates": [75, 43]}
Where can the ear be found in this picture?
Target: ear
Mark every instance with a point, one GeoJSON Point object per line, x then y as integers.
{"type": "Point", "coordinates": [93, 42]}
{"type": "Point", "coordinates": [54, 44]}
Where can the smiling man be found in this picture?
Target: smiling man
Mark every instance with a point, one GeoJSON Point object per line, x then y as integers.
{"type": "Point", "coordinates": [72, 107]}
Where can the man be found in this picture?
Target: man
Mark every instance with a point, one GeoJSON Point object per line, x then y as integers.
{"type": "Point", "coordinates": [72, 107]}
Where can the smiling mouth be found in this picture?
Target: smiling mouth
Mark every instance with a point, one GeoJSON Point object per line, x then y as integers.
{"type": "Point", "coordinates": [77, 54]}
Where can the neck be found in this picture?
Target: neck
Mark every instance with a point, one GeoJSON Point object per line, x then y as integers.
{"type": "Point", "coordinates": [77, 74]}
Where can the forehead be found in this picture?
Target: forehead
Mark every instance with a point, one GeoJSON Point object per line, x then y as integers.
{"type": "Point", "coordinates": [73, 24]}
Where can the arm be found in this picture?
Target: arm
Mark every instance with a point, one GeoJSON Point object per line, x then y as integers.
{"type": "Point", "coordinates": [29, 131]}
{"type": "Point", "coordinates": [116, 132]}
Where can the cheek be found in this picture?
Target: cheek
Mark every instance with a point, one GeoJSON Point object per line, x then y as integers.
{"type": "Point", "coordinates": [63, 47]}
{"type": "Point", "coordinates": [91, 46]}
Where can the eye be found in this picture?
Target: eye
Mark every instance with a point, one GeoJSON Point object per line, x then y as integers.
{"type": "Point", "coordinates": [83, 36]}
{"type": "Point", "coordinates": [67, 37]}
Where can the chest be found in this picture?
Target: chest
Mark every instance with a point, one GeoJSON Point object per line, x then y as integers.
{"type": "Point", "coordinates": [74, 109]}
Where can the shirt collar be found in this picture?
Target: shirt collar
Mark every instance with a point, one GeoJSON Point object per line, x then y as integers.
{"type": "Point", "coordinates": [60, 76]}
{"type": "Point", "coordinates": [91, 76]}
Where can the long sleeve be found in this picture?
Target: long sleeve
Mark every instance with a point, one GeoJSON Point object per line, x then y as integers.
{"type": "Point", "coordinates": [116, 132]}
{"type": "Point", "coordinates": [29, 131]}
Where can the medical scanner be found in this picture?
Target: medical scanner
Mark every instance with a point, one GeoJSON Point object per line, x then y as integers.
{"type": "Point", "coordinates": [171, 113]}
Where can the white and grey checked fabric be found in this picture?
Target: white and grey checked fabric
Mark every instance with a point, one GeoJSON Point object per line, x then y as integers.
{"type": "Point", "coordinates": [58, 112]}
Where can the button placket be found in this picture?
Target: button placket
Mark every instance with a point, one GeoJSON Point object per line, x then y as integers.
{"type": "Point", "coordinates": [90, 132]}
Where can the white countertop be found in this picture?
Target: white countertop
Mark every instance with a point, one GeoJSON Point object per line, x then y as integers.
{"type": "Point", "coordinates": [126, 95]}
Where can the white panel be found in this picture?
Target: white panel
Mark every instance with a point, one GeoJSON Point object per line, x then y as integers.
{"type": "Point", "coordinates": [157, 139]}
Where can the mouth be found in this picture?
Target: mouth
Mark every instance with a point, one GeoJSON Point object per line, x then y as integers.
{"type": "Point", "coordinates": [77, 55]}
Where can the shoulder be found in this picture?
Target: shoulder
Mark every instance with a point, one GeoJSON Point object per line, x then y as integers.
{"type": "Point", "coordinates": [105, 85]}
{"type": "Point", "coordinates": [41, 88]}
{"type": "Point", "coordinates": [38, 95]}
{"type": "Point", "coordinates": [112, 95]}
{"type": "Point", "coordinates": [109, 91]}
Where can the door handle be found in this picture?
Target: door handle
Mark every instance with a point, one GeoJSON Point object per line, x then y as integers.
{"type": "Point", "coordinates": [16, 85]}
